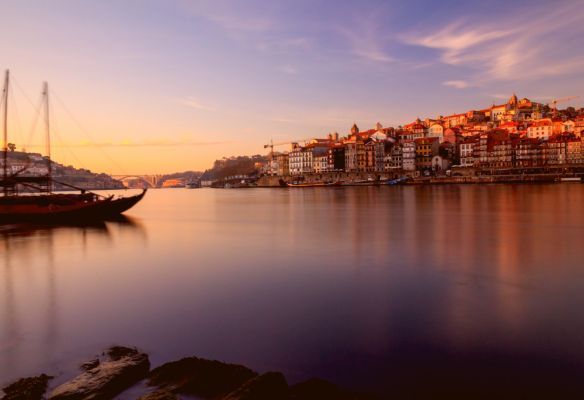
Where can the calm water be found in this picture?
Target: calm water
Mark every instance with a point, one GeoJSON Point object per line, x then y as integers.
{"type": "Point", "coordinates": [384, 289]}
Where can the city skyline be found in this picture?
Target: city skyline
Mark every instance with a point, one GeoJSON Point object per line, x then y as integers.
{"type": "Point", "coordinates": [184, 83]}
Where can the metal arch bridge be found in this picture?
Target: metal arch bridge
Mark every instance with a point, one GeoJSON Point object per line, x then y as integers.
{"type": "Point", "coordinates": [150, 180]}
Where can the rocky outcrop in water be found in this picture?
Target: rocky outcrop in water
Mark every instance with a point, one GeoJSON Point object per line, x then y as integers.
{"type": "Point", "coordinates": [27, 388]}
{"type": "Point", "coordinates": [159, 395]}
{"type": "Point", "coordinates": [122, 368]}
{"type": "Point", "coordinates": [269, 386]}
{"type": "Point", "coordinates": [318, 389]}
{"type": "Point", "coordinates": [200, 377]}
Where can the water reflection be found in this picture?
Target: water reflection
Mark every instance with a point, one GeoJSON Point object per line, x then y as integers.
{"type": "Point", "coordinates": [373, 287]}
{"type": "Point", "coordinates": [30, 270]}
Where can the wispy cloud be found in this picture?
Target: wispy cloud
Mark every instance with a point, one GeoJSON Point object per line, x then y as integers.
{"type": "Point", "coordinates": [228, 16]}
{"type": "Point", "coordinates": [366, 42]}
{"type": "Point", "coordinates": [131, 143]}
{"type": "Point", "coordinates": [456, 41]}
{"type": "Point", "coordinates": [194, 103]}
{"type": "Point", "coordinates": [457, 84]}
{"type": "Point", "coordinates": [535, 44]}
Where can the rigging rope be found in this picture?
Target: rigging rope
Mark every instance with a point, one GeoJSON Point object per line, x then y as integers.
{"type": "Point", "coordinates": [80, 126]}
{"type": "Point", "coordinates": [17, 115]}
{"type": "Point", "coordinates": [36, 108]}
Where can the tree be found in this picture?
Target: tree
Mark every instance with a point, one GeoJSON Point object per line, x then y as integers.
{"type": "Point", "coordinates": [11, 146]}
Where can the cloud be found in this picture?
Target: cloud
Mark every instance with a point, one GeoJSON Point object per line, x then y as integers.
{"type": "Point", "coordinates": [456, 84]}
{"type": "Point", "coordinates": [228, 16]}
{"type": "Point", "coordinates": [538, 43]}
{"type": "Point", "coordinates": [129, 143]}
{"type": "Point", "coordinates": [456, 41]}
{"type": "Point", "coordinates": [366, 43]}
{"type": "Point", "coordinates": [194, 103]}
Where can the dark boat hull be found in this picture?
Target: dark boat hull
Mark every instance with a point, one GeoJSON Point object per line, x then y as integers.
{"type": "Point", "coordinates": [46, 210]}
{"type": "Point", "coordinates": [118, 206]}
{"type": "Point", "coordinates": [308, 185]}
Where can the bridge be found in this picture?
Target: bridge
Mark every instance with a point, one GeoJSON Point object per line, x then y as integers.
{"type": "Point", "coordinates": [145, 181]}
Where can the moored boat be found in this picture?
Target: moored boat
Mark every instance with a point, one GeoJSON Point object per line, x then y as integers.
{"type": "Point", "coordinates": [44, 206]}
{"type": "Point", "coordinates": [308, 184]}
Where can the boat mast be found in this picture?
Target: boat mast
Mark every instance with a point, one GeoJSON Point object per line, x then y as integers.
{"type": "Point", "coordinates": [48, 133]}
{"type": "Point", "coordinates": [5, 156]}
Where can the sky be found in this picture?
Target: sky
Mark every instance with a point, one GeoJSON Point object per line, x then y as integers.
{"type": "Point", "coordinates": [158, 86]}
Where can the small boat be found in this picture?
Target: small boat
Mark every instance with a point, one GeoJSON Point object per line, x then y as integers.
{"type": "Point", "coordinates": [571, 179]}
{"type": "Point", "coordinates": [44, 206]}
{"type": "Point", "coordinates": [308, 184]}
{"type": "Point", "coordinates": [368, 182]}
{"type": "Point", "coordinates": [397, 181]}
{"type": "Point", "coordinates": [193, 185]}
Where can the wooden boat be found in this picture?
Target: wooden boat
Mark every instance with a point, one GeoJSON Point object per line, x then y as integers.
{"type": "Point", "coordinates": [51, 208]}
{"type": "Point", "coordinates": [397, 181]}
{"type": "Point", "coordinates": [44, 206]}
{"type": "Point", "coordinates": [368, 182]}
{"type": "Point", "coordinates": [117, 206]}
{"type": "Point", "coordinates": [307, 184]}
{"type": "Point", "coordinates": [193, 185]}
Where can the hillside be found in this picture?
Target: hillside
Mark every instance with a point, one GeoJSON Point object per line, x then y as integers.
{"type": "Point", "coordinates": [34, 164]}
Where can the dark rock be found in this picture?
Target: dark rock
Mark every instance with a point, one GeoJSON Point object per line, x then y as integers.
{"type": "Point", "coordinates": [27, 388]}
{"type": "Point", "coordinates": [159, 395]}
{"type": "Point", "coordinates": [200, 377]}
{"type": "Point", "coordinates": [90, 365]}
{"type": "Point", "coordinates": [269, 386]}
{"type": "Point", "coordinates": [123, 368]}
{"type": "Point", "coordinates": [117, 352]}
{"type": "Point", "coordinates": [318, 389]}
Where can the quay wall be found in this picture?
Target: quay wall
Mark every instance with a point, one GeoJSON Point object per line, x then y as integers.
{"type": "Point", "coordinates": [274, 181]}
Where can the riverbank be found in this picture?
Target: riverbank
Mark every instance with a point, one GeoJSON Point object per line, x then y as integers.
{"type": "Point", "coordinates": [121, 369]}
{"type": "Point", "coordinates": [349, 179]}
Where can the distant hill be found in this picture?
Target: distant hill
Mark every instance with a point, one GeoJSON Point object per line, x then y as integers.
{"type": "Point", "coordinates": [35, 164]}
{"type": "Point", "coordinates": [234, 166]}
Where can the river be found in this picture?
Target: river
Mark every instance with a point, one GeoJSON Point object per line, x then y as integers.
{"type": "Point", "coordinates": [373, 288]}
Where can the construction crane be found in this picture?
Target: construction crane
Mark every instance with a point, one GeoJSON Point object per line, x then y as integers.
{"type": "Point", "coordinates": [271, 145]}
{"type": "Point", "coordinates": [554, 102]}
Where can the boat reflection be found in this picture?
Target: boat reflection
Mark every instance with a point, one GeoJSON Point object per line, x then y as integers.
{"type": "Point", "coordinates": [30, 263]}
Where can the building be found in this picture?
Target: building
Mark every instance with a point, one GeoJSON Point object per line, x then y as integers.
{"type": "Point", "coordinates": [440, 164]}
{"type": "Point", "coordinates": [574, 151]}
{"type": "Point", "coordinates": [527, 152]}
{"type": "Point", "coordinates": [436, 130]}
{"type": "Point", "coordinates": [295, 159]}
{"type": "Point", "coordinates": [375, 152]}
{"type": "Point", "coordinates": [540, 129]}
{"type": "Point", "coordinates": [426, 148]}
{"type": "Point", "coordinates": [466, 152]}
{"type": "Point", "coordinates": [336, 157]}
{"type": "Point", "coordinates": [392, 160]}
{"type": "Point", "coordinates": [282, 162]}
{"type": "Point", "coordinates": [320, 163]}
{"type": "Point", "coordinates": [354, 154]}
{"type": "Point", "coordinates": [408, 155]}
{"type": "Point", "coordinates": [554, 151]}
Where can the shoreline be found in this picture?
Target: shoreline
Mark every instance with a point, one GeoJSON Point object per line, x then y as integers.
{"type": "Point", "coordinates": [371, 179]}
{"type": "Point", "coordinates": [125, 371]}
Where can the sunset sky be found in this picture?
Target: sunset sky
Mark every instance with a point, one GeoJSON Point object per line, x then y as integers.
{"type": "Point", "coordinates": [160, 86]}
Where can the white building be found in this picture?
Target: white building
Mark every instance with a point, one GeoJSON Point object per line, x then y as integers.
{"type": "Point", "coordinates": [409, 155]}
{"type": "Point", "coordinates": [436, 130]}
{"type": "Point", "coordinates": [541, 129]}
